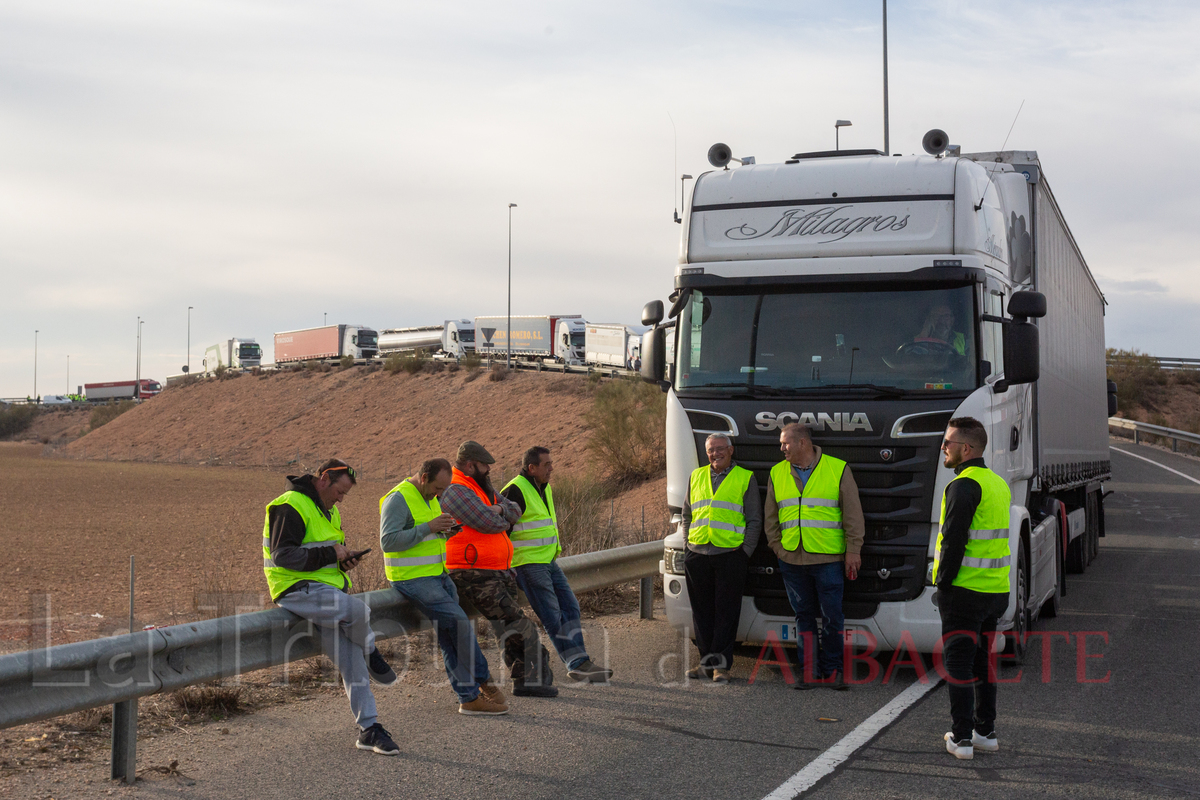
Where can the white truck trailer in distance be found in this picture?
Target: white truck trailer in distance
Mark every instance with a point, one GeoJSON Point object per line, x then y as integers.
{"type": "Point", "coordinates": [872, 299]}
{"type": "Point", "coordinates": [454, 338]}
{"type": "Point", "coordinates": [232, 354]}
{"type": "Point", "coordinates": [613, 344]}
{"type": "Point", "coordinates": [560, 337]}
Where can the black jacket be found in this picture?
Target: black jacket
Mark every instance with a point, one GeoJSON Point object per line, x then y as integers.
{"type": "Point", "coordinates": [287, 532]}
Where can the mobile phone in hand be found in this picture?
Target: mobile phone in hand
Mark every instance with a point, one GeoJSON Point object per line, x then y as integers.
{"type": "Point", "coordinates": [357, 555]}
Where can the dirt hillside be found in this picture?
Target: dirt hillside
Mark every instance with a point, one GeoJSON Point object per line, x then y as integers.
{"type": "Point", "coordinates": [382, 423]}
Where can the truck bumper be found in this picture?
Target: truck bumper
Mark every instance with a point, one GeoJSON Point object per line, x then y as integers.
{"type": "Point", "coordinates": [916, 623]}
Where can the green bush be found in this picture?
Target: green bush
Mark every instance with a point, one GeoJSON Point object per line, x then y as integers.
{"type": "Point", "coordinates": [471, 362]}
{"type": "Point", "coordinates": [347, 362]}
{"type": "Point", "coordinates": [497, 373]}
{"type": "Point", "coordinates": [15, 419]}
{"type": "Point", "coordinates": [393, 363]}
{"type": "Point", "coordinates": [585, 523]}
{"type": "Point", "coordinates": [414, 362]}
{"type": "Point", "coordinates": [628, 422]}
{"type": "Point", "coordinates": [108, 412]}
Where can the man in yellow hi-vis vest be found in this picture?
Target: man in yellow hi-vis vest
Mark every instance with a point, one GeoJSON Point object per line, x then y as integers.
{"type": "Point", "coordinates": [971, 562]}
{"type": "Point", "coordinates": [723, 521]}
{"type": "Point", "coordinates": [814, 523]}
{"type": "Point", "coordinates": [535, 560]}
{"type": "Point", "coordinates": [305, 559]}
{"type": "Point", "coordinates": [412, 532]}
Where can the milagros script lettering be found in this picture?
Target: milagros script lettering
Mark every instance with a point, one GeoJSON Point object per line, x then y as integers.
{"type": "Point", "coordinates": [820, 222]}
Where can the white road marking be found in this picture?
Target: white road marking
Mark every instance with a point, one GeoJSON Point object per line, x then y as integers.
{"type": "Point", "coordinates": [832, 758]}
{"type": "Point", "coordinates": [1155, 463]}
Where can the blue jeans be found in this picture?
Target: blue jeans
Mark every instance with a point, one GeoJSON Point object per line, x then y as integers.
{"type": "Point", "coordinates": [437, 598]}
{"type": "Point", "coordinates": [553, 601]}
{"type": "Point", "coordinates": [813, 589]}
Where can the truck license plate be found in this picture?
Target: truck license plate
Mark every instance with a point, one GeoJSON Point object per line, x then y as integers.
{"type": "Point", "coordinates": [787, 632]}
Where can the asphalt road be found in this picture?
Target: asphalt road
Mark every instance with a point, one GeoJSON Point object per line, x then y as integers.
{"type": "Point", "coordinates": [1121, 724]}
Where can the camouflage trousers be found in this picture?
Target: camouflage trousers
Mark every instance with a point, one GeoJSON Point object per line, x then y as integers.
{"type": "Point", "coordinates": [494, 594]}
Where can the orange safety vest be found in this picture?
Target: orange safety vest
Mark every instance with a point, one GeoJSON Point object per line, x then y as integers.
{"type": "Point", "coordinates": [472, 549]}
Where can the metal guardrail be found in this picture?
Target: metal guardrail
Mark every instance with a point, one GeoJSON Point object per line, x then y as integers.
{"type": "Point", "coordinates": [1163, 362]}
{"type": "Point", "coordinates": [46, 683]}
{"type": "Point", "coordinates": [1140, 428]}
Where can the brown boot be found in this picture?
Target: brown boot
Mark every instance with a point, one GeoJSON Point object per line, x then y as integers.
{"type": "Point", "coordinates": [482, 706]}
{"type": "Point", "coordinates": [493, 693]}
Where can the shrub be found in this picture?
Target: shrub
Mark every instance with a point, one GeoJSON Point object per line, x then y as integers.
{"type": "Point", "coordinates": [414, 362]}
{"type": "Point", "coordinates": [1133, 371]}
{"type": "Point", "coordinates": [347, 362]}
{"type": "Point", "coordinates": [497, 373]}
{"type": "Point", "coordinates": [108, 412]}
{"type": "Point", "coordinates": [209, 699]}
{"type": "Point", "coordinates": [393, 363]}
{"type": "Point", "coordinates": [221, 371]}
{"type": "Point", "coordinates": [432, 367]}
{"type": "Point", "coordinates": [628, 421]}
{"type": "Point", "coordinates": [585, 523]}
{"type": "Point", "coordinates": [15, 419]}
{"type": "Point", "coordinates": [471, 362]}
{"type": "Point", "coordinates": [452, 366]}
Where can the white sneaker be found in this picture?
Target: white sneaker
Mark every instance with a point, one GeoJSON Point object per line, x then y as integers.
{"type": "Point", "coordinates": [961, 749]}
{"type": "Point", "coordinates": [987, 743]}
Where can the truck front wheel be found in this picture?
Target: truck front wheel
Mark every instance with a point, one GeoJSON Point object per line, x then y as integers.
{"type": "Point", "coordinates": [1015, 641]}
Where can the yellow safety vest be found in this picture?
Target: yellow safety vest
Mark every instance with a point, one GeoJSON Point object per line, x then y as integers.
{"type": "Point", "coordinates": [987, 558]}
{"type": "Point", "coordinates": [535, 536]}
{"type": "Point", "coordinates": [718, 518]}
{"type": "Point", "coordinates": [427, 558]}
{"type": "Point", "coordinates": [813, 516]}
{"type": "Point", "coordinates": [319, 531]}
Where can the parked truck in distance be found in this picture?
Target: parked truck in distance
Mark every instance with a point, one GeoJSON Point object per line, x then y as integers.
{"type": "Point", "coordinates": [613, 344]}
{"type": "Point", "coordinates": [560, 338]}
{"type": "Point", "coordinates": [939, 286]}
{"type": "Point", "coordinates": [232, 354]}
{"type": "Point", "coordinates": [120, 390]}
{"type": "Point", "coordinates": [454, 338]}
{"type": "Point", "coordinates": [327, 342]}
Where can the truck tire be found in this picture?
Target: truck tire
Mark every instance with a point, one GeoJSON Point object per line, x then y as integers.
{"type": "Point", "coordinates": [1093, 526]}
{"type": "Point", "coordinates": [1016, 638]}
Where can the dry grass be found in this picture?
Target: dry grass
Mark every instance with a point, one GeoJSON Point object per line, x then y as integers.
{"type": "Point", "coordinates": [108, 412]}
{"type": "Point", "coordinates": [209, 699]}
{"type": "Point", "coordinates": [628, 422]}
{"type": "Point", "coordinates": [497, 373]}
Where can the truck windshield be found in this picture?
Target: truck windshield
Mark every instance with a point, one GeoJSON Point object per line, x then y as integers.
{"type": "Point", "coordinates": [466, 337]}
{"type": "Point", "coordinates": [578, 339]}
{"type": "Point", "coordinates": [249, 351]}
{"type": "Point", "coordinates": [921, 339]}
{"type": "Point", "coordinates": [367, 339]}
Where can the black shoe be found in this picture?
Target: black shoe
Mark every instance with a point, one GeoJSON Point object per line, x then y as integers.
{"type": "Point", "coordinates": [377, 739]}
{"type": "Point", "coordinates": [521, 689]}
{"type": "Point", "coordinates": [837, 682]}
{"type": "Point", "coordinates": [803, 686]}
{"type": "Point", "coordinates": [590, 672]}
{"type": "Point", "coordinates": [379, 670]}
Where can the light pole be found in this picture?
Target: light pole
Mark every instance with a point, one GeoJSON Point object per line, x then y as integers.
{"type": "Point", "coordinates": [324, 318]}
{"type": "Point", "coordinates": [508, 333]}
{"type": "Point", "coordinates": [68, 374]}
{"type": "Point", "coordinates": [137, 381]}
{"type": "Point", "coordinates": [35, 333]}
{"type": "Point", "coordinates": [837, 130]}
{"type": "Point", "coordinates": [189, 346]}
{"type": "Point", "coordinates": [887, 145]}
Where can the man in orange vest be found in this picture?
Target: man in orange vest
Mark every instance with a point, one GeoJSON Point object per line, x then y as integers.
{"type": "Point", "coordinates": [479, 558]}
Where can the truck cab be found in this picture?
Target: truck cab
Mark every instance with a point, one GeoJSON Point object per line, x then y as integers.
{"type": "Point", "coordinates": [872, 299]}
{"type": "Point", "coordinates": [360, 342]}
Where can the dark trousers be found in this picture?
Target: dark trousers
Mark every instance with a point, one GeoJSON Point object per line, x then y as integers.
{"type": "Point", "coordinates": [493, 592]}
{"type": "Point", "coordinates": [968, 625]}
{"type": "Point", "coordinates": [816, 590]}
{"type": "Point", "coordinates": [715, 586]}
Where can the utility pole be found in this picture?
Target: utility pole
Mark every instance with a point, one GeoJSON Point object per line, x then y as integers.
{"type": "Point", "coordinates": [35, 394]}
{"type": "Point", "coordinates": [508, 334]}
{"type": "Point", "coordinates": [189, 342]}
{"type": "Point", "coordinates": [137, 382]}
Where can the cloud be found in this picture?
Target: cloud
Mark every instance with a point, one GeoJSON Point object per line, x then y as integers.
{"type": "Point", "coordinates": [1109, 285]}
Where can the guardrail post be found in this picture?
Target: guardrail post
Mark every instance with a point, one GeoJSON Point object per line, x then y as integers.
{"type": "Point", "coordinates": [1137, 436]}
{"type": "Point", "coordinates": [124, 729]}
{"type": "Point", "coordinates": [1174, 445]}
{"type": "Point", "coordinates": [646, 597]}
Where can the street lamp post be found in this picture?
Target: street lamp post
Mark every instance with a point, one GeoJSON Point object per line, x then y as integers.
{"type": "Point", "coordinates": [324, 318]}
{"type": "Point", "coordinates": [508, 333]}
{"type": "Point", "coordinates": [35, 333]}
{"type": "Point", "coordinates": [68, 374]}
{"type": "Point", "coordinates": [189, 342]}
{"type": "Point", "coordinates": [137, 382]}
{"type": "Point", "coordinates": [837, 130]}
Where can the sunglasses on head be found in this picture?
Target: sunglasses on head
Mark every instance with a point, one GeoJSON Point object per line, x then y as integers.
{"type": "Point", "coordinates": [348, 469]}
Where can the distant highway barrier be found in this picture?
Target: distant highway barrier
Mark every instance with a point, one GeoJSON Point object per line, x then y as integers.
{"type": "Point", "coordinates": [1141, 429]}
{"type": "Point", "coordinates": [1162, 361]}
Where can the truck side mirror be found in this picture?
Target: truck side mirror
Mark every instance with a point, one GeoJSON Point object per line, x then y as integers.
{"type": "Point", "coordinates": [1023, 305]}
{"type": "Point", "coordinates": [654, 353]}
{"type": "Point", "coordinates": [1021, 357]}
{"type": "Point", "coordinates": [1112, 398]}
{"type": "Point", "coordinates": [652, 312]}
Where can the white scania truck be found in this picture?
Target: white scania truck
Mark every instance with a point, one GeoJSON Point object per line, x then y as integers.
{"type": "Point", "coordinates": [873, 298]}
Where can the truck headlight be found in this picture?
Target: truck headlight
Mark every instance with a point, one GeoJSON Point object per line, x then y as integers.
{"type": "Point", "coordinates": [673, 561]}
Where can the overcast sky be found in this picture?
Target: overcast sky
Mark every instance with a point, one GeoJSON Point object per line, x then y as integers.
{"type": "Point", "coordinates": [268, 163]}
